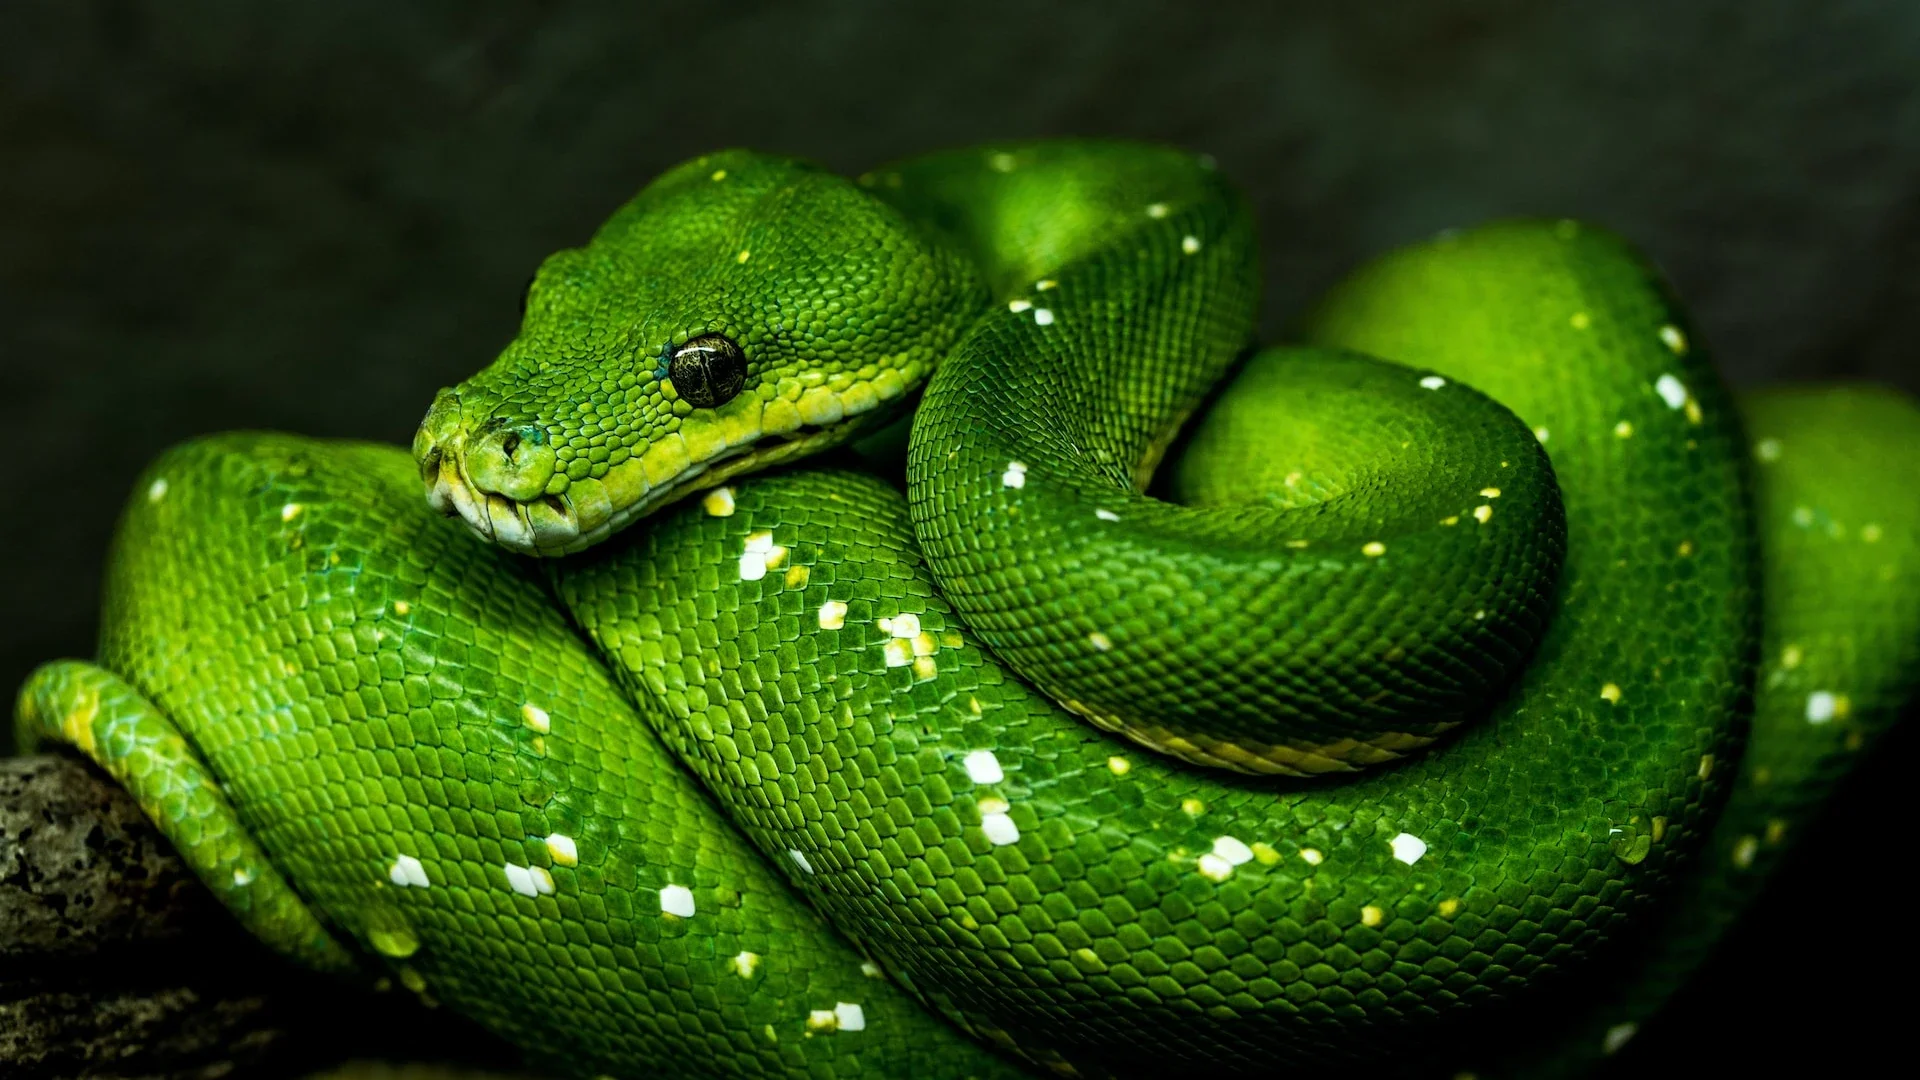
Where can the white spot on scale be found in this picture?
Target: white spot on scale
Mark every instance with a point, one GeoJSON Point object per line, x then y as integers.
{"type": "Point", "coordinates": [1018, 306]}
{"type": "Point", "coordinates": [529, 880]}
{"type": "Point", "coordinates": [1042, 317]}
{"type": "Point", "coordinates": [1015, 476]}
{"type": "Point", "coordinates": [1157, 210]}
{"type": "Point", "coordinates": [1675, 340]}
{"type": "Point", "coordinates": [870, 969]}
{"type": "Point", "coordinates": [1100, 641]}
{"type": "Point", "coordinates": [1215, 868]}
{"type": "Point", "coordinates": [983, 767]}
{"type": "Point", "coordinates": [800, 859]}
{"type": "Point", "coordinates": [1744, 850]}
{"type": "Point", "coordinates": [1408, 848]}
{"type": "Point", "coordinates": [1767, 449]}
{"type": "Point", "coordinates": [157, 490]}
{"type": "Point", "coordinates": [242, 877]}
{"type": "Point", "coordinates": [290, 511]}
{"type": "Point", "coordinates": [1189, 244]}
{"type": "Point", "coordinates": [677, 900]}
{"type": "Point", "coordinates": [1433, 382]}
{"type": "Point", "coordinates": [822, 1020]}
{"type": "Point", "coordinates": [1232, 850]}
{"type": "Point", "coordinates": [1541, 434]}
{"type": "Point", "coordinates": [903, 625]}
{"type": "Point", "coordinates": [719, 502]}
{"type": "Point", "coordinates": [833, 615]}
{"type": "Point", "coordinates": [1821, 706]}
{"type": "Point", "coordinates": [1106, 515]}
{"type": "Point", "coordinates": [745, 964]}
{"type": "Point", "coordinates": [1000, 829]}
{"type": "Point", "coordinates": [850, 1016]}
{"type": "Point", "coordinates": [1617, 1036]}
{"type": "Point", "coordinates": [760, 551]}
{"type": "Point", "coordinates": [407, 871]}
{"type": "Point", "coordinates": [536, 718]}
{"type": "Point", "coordinates": [563, 850]}
{"type": "Point", "coordinates": [1671, 390]}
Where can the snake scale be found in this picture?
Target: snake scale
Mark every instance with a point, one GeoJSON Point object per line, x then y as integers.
{"type": "Point", "coordinates": [1192, 709]}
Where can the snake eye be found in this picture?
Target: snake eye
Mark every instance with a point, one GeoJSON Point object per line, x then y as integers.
{"type": "Point", "coordinates": [708, 371]}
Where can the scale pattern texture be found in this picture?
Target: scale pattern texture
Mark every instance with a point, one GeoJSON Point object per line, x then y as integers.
{"type": "Point", "coordinates": [796, 778]}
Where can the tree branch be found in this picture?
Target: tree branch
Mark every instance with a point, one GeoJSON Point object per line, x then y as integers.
{"type": "Point", "coordinates": [115, 962]}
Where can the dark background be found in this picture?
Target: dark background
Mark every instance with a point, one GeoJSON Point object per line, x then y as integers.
{"type": "Point", "coordinates": [309, 216]}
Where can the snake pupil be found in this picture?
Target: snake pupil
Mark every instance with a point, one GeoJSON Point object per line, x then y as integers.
{"type": "Point", "coordinates": [708, 370]}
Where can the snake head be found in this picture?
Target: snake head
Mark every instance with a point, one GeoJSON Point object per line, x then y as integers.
{"type": "Point", "coordinates": [741, 311]}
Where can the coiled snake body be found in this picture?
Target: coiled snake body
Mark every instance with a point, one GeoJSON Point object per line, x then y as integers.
{"type": "Point", "coordinates": [1414, 702]}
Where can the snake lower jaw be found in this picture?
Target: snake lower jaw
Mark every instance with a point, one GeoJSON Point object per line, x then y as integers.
{"type": "Point", "coordinates": [592, 510]}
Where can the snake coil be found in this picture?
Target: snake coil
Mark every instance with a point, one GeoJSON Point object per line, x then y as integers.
{"type": "Point", "coordinates": [1427, 648]}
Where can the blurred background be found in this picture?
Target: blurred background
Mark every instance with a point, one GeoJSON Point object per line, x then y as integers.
{"type": "Point", "coordinates": [218, 214]}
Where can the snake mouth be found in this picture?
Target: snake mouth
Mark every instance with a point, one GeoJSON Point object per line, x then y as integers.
{"type": "Point", "coordinates": [591, 510]}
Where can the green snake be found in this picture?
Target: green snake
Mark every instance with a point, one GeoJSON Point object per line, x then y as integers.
{"type": "Point", "coordinates": [1192, 709]}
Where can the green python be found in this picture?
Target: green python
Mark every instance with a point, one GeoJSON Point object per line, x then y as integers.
{"type": "Point", "coordinates": [1190, 709]}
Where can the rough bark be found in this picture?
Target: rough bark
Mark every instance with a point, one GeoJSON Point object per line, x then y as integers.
{"type": "Point", "coordinates": [114, 962]}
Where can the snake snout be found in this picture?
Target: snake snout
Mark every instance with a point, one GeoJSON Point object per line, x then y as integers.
{"type": "Point", "coordinates": [495, 477]}
{"type": "Point", "coordinates": [436, 448]}
{"type": "Point", "coordinates": [515, 462]}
